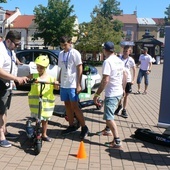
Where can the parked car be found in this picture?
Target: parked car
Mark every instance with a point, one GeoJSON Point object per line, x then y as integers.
{"type": "Point", "coordinates": [27, 57]}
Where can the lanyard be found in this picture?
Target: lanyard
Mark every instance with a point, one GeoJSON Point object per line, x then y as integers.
{"type": "Point", "coordinates": [66, 60]}
{"type": "Point", "coordinates": [126, 60]}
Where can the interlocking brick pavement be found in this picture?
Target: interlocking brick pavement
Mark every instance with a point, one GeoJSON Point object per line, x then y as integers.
{"type": "Point", "coordinates": [60, 154]}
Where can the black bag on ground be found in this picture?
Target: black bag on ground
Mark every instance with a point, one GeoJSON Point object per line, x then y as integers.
{"type": "Point", "coordinates": [4, 84]}
{"type": "Point", "coordinates": [152, 137]}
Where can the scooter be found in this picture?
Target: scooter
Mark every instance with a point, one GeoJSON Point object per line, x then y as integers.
{"type": "Point", "coordinates": [34, 133]}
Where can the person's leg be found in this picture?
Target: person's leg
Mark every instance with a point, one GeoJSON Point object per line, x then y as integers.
{"type": "Point", "coordinates": [110, 105]}
{"type": "Point", "coordinates": [146, 80]}
{"type": "Point", "coordinates": [139, 79]}
{"type": "Point", "coordinates": [44, 131]}
{"type": "Point", "coordinates": [69, 112]}
{"type": "Point", "coordinates": [3, 107]}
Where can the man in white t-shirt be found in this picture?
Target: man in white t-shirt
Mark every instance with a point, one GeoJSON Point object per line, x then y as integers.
{"type": "Point", "coordinates": [129, 64]}
{"type": "Point", "coordinates": [7, 77]}
{"type": "Point", "coordinates": [113, 82]}
{"type": "Point", "coordinates": [145, 62]}
{"type": "Point", "coordinates": [70, 77]}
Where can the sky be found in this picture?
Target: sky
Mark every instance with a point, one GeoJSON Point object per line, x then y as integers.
{"type": "Point", "coordinates": [83, 8]}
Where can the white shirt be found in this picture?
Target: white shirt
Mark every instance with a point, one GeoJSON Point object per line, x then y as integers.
{"type": "Point", "coordinates": [113, 67]}
{"type": "Point", "coordinates": [68, 62]}
{"type": "Point", "coordinates": [128, 64]}
{"type": "Point", "coordinates": [145, 60]}
{"type": "Point", "coordinates": [5, 60]}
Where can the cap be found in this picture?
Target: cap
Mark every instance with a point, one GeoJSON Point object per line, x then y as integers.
{"type": "Point", "coordinates": [109, 46]}
{"type": "Point", "coordinates": [145, 49]}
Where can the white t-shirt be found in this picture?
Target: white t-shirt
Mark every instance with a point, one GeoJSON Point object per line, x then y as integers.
{"type": "Point", "coordinates": [128, 64]}
{"type": "Point", "coordinates": [67, 62]}
{"type": "Point", "coordinates": [113, 67]}
{"type": "Point", "coordinates": [145, 60]}
{"type": "Point", "coordinates": [5, 61]}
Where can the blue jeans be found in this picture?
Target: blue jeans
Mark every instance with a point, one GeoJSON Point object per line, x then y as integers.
{"type": "Point", "coordinates": [110, 105]}
{"type": "Point", "coordinates": [141, 74]}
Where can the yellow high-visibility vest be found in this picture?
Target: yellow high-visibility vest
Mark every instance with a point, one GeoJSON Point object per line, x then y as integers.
{"type": "Point", "coordinates": [48, 98]}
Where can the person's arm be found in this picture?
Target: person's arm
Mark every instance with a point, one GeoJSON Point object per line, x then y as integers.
{"type": "Point", "coordinates": [134, 74]}
{"type": "Point", "coordinates": [150, 67]}
{"type": "Point", "coordinates": [79, 77]}
{"type": "Point", "coordinates": [8, 76]}
{"type": "Point", "coordinates": [104, 82]}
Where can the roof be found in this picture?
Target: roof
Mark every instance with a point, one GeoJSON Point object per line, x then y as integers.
{"type": "Point", "coordinates": [159, 21]}
{"type": "Point", "coordinates": [126, 18]}
{"type": "Point", "coordinates": [146, 21]}
{"type": "Point", "coordinates": [9, 13]}
{"type": "Point", "coordinates": [23, 21]}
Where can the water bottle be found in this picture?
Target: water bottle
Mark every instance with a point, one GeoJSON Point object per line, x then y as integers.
{"type": "Point", "coordinates": [29, 129]}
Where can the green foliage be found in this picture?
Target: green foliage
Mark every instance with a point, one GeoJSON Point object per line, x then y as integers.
{"type": "Point", "coordinates": [95, 33]}
{"type": "Point", "coordinates": [167, 18]}
{"type": "Point", "coordinates": [107, 8]}
{"type": "Point", "coordinates": [54, 21]}
{"type": "Point", "coordinates": [3, 1]}
{"type": "Point", "coordinates": [101, 29]}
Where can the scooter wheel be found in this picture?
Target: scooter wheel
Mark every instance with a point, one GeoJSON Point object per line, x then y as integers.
{"type": "Point", "coordinates": [100, 105]}
{"type": "Point", "coordinates": [37, 146]}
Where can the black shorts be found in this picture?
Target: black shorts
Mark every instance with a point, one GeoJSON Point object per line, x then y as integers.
{"type": "Point", "coordinates": [128, 88]}
{"type": "Point", "coordinates": [5, 100]}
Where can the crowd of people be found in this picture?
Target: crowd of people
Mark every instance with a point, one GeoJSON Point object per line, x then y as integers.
{"type": "Point", "coordinates": [118, 76]}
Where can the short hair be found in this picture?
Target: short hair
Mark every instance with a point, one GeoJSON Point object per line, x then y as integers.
{"type": "Point", "coordinates": [13, 35]}
{"type": "Point", "coordinates": [126, 47]}
{"type": "Point", "coordinates": [65, 39]}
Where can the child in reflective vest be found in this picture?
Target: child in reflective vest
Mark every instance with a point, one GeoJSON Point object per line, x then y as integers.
{"type": "Point", "coordinates": [48, 98]}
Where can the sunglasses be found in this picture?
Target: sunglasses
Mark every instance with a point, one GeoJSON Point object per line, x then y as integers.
{"type": "Point", "coordinates": [16, 44]}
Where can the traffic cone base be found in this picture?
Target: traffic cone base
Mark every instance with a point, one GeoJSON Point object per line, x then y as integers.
{"type": "Point", "coordinates": [81, 152]}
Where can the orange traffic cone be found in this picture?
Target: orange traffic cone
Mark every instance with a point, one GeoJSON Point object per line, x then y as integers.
{"type": "Point", "coordinates": [81, 152]}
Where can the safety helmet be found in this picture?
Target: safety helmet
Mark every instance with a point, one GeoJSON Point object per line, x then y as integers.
{"type": "Point", "coordinates": [42, 60]}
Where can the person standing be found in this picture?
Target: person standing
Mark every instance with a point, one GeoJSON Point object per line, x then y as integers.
{"type": "Point", "coordinates": [113, 82]}
{"type": "Point", "coordinates": [7, 76]}
{"type": "Point", "coordinates": [145, 62]}
{"type": "Point", "coordinates": [70, 76]}
{"type": "Point", "coordinates": [48, 98]}
{"type": "Point", "coordinates": [129, 64]}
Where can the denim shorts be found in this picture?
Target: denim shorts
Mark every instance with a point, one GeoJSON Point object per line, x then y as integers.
{"type": "Point", "coordinates": [5, 100]}
{"type": "Point", "coordinates": [110, 105]}
{"type": "Point", "coordinates": [68, 94]}
{"type": "Point", "coordinates": [141, 74]}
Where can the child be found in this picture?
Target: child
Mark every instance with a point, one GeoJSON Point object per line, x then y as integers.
{"type": "Point", "coordinates": [48, 98]}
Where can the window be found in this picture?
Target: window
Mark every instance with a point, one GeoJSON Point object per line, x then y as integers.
{"type": "Point", "coordinates": [128, 35]}
{"type": "Point", "coordinates": [0, 30]}
{"type": "Point", "coordinates": [161, 33]}
{"type": "Point", "coordinates": [1, 17]}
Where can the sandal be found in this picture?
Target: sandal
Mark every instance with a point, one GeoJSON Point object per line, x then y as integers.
{"type": "Point", "coordinates": [144, 93]}
{"type": "Point", "coordinates": [138, 92]}
{"type": "Point", "coordinates": [47, 139]}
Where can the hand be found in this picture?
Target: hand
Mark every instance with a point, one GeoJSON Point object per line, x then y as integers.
{"type": "Point", "coordinates": [96, 100]}
{"type": "Point", "coordinates": [78, 89]}
{"type": "Point", "coordinates": [21, 80]}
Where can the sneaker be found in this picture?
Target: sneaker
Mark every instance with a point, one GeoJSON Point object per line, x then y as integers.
{"type": "Point", "coordinates": [70, 129]}
{"type": "Point", "coordinates": [5, 144]}
{"type": "Point", "coordinates": [114, 145]}
{"type": "Point", "coordinates": [104, 133]}
{"type": "Point", "coordinates": [118, 109]}
{"type": "Point", "coordinates": [124, 114]}
{"type": "Point", "coordinates": [84, 132]}
{"type": "Point", "coordinates": [10, 136]}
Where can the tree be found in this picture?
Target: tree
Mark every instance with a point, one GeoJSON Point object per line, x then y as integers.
{"type": "Point", "coordinates": [54, 21]}
{"type": "Point", "coordinates": [3, 1]}
{"type": "Point", "coordinates": [102, 28]}
{"type": "Point", "coordinates": [95, 33]}
{"type": "Point", "coordinates": [107, 9]}
{"type": "Point", "coordinates": [167, 18]}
